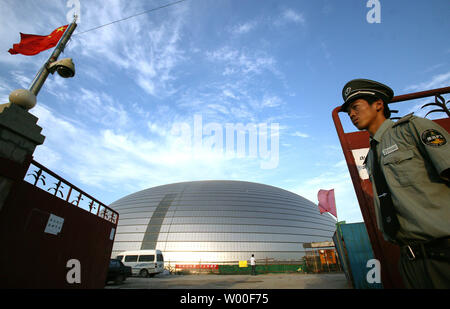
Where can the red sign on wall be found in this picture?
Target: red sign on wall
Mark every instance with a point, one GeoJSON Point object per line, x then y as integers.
{"type": "Point", "coordinates": [197, 266]}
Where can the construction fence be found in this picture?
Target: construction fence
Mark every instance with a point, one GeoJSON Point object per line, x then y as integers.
{"type": "Point", "coordinates": [315, 261]}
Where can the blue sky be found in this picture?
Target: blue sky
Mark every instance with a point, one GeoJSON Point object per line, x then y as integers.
{"type": "Point", "coordinates": [111, 130]}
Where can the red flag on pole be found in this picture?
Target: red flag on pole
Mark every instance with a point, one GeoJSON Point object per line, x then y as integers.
{"type": "Point", "coordinates": [31, 44]}
{"type": "Point", "coordinates": [327, 202]}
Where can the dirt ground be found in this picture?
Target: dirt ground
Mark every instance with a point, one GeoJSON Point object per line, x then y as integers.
{"type": "Point", "coordinates": [212, 281]}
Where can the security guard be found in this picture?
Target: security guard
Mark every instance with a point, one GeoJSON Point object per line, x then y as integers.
{"type": "Point", "coordinates": [409, 167]}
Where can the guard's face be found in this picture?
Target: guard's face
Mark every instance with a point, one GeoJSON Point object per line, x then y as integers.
{"type": "Point", "coordinates": [361, 113]}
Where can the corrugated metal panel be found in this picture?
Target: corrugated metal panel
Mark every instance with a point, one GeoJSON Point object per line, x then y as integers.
{"type": "Point", "coordinates": [359, 251]}
{"type": "Point", "coordinates": [339, 245]}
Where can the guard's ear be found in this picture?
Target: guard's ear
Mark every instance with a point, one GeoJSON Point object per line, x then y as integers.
{"type": "Point", "coordinates": [379, 105]}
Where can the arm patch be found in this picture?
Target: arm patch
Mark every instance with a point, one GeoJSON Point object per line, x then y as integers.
{"type": "Point", "coordinates": [433, 138]}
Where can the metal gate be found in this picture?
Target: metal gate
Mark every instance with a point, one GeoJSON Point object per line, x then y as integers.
{"type": "Point", "coordinates": [42, 234]}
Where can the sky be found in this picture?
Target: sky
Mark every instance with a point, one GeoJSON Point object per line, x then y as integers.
{"type": "Point", "coordinates": [218, 89]}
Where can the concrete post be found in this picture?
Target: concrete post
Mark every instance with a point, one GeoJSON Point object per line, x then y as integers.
{"type": "Point", "coordinates": [19, 136]}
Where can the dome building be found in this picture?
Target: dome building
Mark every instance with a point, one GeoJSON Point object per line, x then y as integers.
{"type": "Point", "coordinates": [219, 222]}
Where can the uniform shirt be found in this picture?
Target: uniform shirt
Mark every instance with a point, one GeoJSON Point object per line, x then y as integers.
{"type": "Point", "coordinates": [413, 152]}
{"type": "Point", "coordinates": [252, 261]}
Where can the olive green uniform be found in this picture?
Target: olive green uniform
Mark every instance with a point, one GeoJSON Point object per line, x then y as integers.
{"type": "Point", "coordinates": [413, 152]}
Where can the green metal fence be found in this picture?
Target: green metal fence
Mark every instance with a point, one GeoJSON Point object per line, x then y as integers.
{"type": "Point", "coordinates": [262, 269]}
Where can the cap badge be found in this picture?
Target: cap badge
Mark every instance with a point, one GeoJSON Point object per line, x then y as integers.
{"type": "Point", "coordinates": [347, 91]}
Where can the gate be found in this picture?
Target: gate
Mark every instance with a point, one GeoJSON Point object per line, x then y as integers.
{"type": "Point", "coordinates": [41, 233]}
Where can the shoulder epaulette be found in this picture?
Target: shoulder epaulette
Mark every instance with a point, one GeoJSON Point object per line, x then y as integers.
{"type": "Point", "coordinates": [404, 119]}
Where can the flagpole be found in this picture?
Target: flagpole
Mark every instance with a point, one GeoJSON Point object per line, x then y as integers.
{"type": "Point", "coordinates": [43, 73]}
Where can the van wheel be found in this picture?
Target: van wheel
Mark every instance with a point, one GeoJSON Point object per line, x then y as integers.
{"type": "Point", "coordinates": [119, 279]}
{"type": "Point", "coordinates": [144, 273]}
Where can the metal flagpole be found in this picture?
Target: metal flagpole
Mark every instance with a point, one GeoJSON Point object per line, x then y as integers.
{"type": "Point", "coordinates": [43, 73]}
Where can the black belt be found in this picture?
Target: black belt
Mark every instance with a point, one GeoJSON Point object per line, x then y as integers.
{"type": "Point", "coordinates": [436, 249]}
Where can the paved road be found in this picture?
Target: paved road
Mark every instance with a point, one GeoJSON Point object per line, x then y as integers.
{"type": "Point", "coordinates": [212, 281]}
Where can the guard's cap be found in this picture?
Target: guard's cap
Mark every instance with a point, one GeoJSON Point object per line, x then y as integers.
{"type": "Point", "coordinates": [358, 88]}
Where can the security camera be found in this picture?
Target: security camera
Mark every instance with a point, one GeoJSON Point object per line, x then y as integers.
{"type": "Point", "coordinates": [65, 67]}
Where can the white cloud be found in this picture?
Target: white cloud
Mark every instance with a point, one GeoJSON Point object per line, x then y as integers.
{"type": "Point", "coordinates": [229, 94]}
{"type": "Point", "coordinates": [145, 50]}
{"type": "Point", "coordinates": [229, 71]}
{"type": "Point", "coordinates": [55, 128]}
{"type": "Point", "coordinates": [433, 67]}
{"type": "Point", "coordinates": [224, 54]}
{"type": "Point", "coordinates": [255, 64]}
{"type": "Point", "coordinates": [101, 108]}
{"type": "Point", "coordinates": [271, 101]}
{"type": "Point", "coordinates": [421, 112]}
{"type": "Point", "coordinates": [290, 16]}
{"type": "Point", "coordinates": [157, 129]}
{"type": "Point", "coordinates": [300, 134]}
{"type": "Point", "coordinates": [220, 108]}
{"type": "Point", "coordinates": [341, 163]}
{"type": "Point", "coordinates": [437, 81]}
{"type": "Point", "coordinates": [59, 87]}
{"type": "Point", "coordinates": [236, 61]}
{"type": "Point", "coordinates": [47, 156]}
{"type": "Point", "coordinates": [244, 28]}
{"type": "Point", "coordinates": [147, 85]}
{"type": "Point", "coordinates": [23, 80]}
{"type": "Point", "coordinates": [107, 159]}
{"type": "Point", "coordinates": [5, 90]}
{"type": "Point", "coordinates": [293, 16]}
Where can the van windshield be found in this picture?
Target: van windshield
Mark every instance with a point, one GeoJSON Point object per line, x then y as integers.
{"type": "Point", "coordinates": [160, 258]}
{"type": "Point", "coordinates": [146, 258]}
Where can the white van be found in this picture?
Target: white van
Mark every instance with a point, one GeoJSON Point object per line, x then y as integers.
{"type": "Point", "coordinates": [143, 263]}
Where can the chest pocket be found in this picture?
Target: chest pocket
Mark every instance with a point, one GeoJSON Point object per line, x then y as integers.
{"type": "Point", "coordinates": [399, 167]}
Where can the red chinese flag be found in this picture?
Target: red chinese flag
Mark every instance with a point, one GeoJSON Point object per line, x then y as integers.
{"type": "Point", "coordinates": [31, 44]}
{"type": "Point", "coordinates": [327, 202]}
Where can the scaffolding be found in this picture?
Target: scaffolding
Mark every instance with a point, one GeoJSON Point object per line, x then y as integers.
{"type": "Point", "coordinates": [321, 257]}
